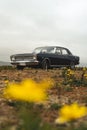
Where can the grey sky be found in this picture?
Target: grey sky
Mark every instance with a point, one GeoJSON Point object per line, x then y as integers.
{"type": "Point", "coordinates": [26, 24]}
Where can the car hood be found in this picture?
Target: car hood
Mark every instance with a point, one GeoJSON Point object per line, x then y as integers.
{"type": "Point", "coordinates": [23, 54]}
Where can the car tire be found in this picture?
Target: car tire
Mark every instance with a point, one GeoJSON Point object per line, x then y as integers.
{"type": "Point", "coordinates": [20, 67]}
{"type": "Point", "coordinates": [72, 65]}
{"type": "Point", "coordinates": [45, 65]}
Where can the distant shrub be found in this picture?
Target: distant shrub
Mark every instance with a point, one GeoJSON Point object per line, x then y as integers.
{"type": "Point", "coordinates": [6, 68]}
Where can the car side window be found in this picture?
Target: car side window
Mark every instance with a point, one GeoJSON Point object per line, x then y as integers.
{"type": "Point", "coordinates": [44, 51]}
{"type": "Point", "coordinates": [52, 50]}
{"type": "Point", "coordinates": [48, 50]}
{"type": "Point", "coordinates": [58, 51]}
{"type": "Point", "coordinates": [64, 52]}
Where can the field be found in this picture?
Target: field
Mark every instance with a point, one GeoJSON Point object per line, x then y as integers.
{"type": "Point", "coordinates": [69, 86]}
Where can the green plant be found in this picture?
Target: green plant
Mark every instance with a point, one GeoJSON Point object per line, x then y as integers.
{"type": "Point", "coordinates": [68, 88]}
{"type": "Point", "coordinates": [55, 106]}
{"type": "Point", "coordinates": [9, 67]}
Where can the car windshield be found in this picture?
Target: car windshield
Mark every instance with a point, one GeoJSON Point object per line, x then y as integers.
{"type": "Point", "coordinates": [44, 50]}
{"type": "Point", "coordinates": [37, 50]}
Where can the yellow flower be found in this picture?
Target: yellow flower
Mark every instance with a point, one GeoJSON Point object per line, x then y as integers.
{"type": "Point", "coordinates": [28, 90]}
{"type": "Point", "coordinates": [70, 113]}
{"type": "Point", "coordinates": [69, 70]}
{"type": "Point", "coordinates": [85, 75]}
{"type": "Point", "coordinates": [68, 74]}
{"type": "Point", "coordinates": [6, 81]}
{"type": "Point", "coordinates": [84, 69]}
{"type": "Point", "coordinates": [71, 73]}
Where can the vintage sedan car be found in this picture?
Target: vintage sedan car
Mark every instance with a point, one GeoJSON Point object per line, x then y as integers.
{"type": "Point", "coordinates": [45, 57]}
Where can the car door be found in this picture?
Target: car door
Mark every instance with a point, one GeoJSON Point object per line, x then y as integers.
{"type": "Point", "coordinates": [58, 56]}
{"type": "Point", "coordinates": [65, 58]}
{"type": "Point", "coordinates": [54, 55]}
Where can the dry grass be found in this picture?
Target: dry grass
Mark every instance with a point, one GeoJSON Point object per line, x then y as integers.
{"type": "Point", "coordinates": [59, 95]}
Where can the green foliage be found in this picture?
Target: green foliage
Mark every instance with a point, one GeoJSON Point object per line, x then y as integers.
{"type": "Point", "coordinates": [6, 68]}
{"type": "Point", "coordinates": [30, 119]}
{"type": "Point", "coordinates": [55, 106]}
{"type": "Point", "coordinates": [68, 88]}
{"type": "Point", "coordinates": [71, 79]}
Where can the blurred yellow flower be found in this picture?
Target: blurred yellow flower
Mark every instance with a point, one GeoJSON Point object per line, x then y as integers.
{"type": "Point", "coordinates": [84, 69]}
{"type": "Point", "coordinates": [85, 75]}
{"type": "Point", "coordinates": [70, 72]}
{"type": "Point", "coordinates": [70, 113]}
{"type": "Point", "coordinates": [28, 90]}
{"type": "Point", "coordinates": [6, 81]}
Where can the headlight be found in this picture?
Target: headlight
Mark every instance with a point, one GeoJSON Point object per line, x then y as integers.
{"type": "Point", "coordinates": [34, 57]}
{"type": "Point", "coordinates": [12, 58]}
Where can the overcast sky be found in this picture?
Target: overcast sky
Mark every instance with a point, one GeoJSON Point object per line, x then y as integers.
{"type": "Point", "coordinates": [26, 24]}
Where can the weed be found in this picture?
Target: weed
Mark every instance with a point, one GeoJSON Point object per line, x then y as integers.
{"type": "Point", "coordinates": [55, 106]}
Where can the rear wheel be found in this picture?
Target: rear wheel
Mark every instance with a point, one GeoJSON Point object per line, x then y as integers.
{"type": "Point", "coordinates": [45, 65]}
{"type": "Point", "coordinates": [72, 65]}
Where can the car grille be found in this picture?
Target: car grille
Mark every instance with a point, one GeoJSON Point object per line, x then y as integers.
{"type": "Point", "coordinates": [20, 58]}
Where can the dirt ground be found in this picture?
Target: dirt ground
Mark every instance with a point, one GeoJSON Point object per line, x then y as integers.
{"type": "Point", "coordinates": [57, 95]}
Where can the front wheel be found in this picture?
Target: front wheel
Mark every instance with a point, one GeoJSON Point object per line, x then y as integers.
{"type": "Point", "coordinates": [20, 67]}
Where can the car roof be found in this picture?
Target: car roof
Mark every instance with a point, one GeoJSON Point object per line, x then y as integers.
{"type": "Point", "coordinates": [52, 46]}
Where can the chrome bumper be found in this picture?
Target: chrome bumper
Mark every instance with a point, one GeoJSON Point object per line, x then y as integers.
{"type": "Point", "coordinates": [25, 63]}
